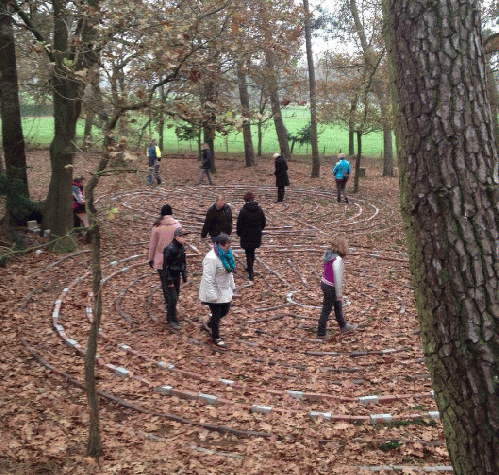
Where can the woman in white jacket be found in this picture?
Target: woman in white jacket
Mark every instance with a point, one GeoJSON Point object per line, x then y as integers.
{"type": "Point", "coordinates": [217, 284]}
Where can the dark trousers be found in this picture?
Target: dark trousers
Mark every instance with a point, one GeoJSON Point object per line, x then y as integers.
{"type": "Point", "coordinates": [171, 291]}
{"type": "Point", "coordinates": [205, 171]}
{"type": "Point", "coordinates": [250, 260]}
{"type": "Point", "coordinates": [218, 311]}
{"type": "Point", "coordinates": [327, 306]}
{"type": "Point", "coordinates": [341, 188]}
{"type": "Point", "coordinates": [280, 193]}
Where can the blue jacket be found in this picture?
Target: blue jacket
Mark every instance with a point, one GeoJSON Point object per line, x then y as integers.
{"type": "Point", "coordinates": [153, 153]}
{"type": "Point", "coordinates": [341, 169]}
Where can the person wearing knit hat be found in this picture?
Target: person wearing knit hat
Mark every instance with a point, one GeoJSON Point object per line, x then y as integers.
{"type": "Point", "coordinates": [161, 235]}
{"type": "Point", "coordinates": [281, 175]}
{"type": "Point", "coordinates": [174, 267]}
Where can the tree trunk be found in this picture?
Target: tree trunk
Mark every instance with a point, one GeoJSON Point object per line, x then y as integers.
{"type": "Point", "coordinates": [161, 119]}
{"type": "Point", "coordinates": [494, 96]}
{"type": "Point", "coordinates": [93, 105]}
{"type": "Point", "coordinates": [12, 133]}
{"type": "Point", "coordinates": [275, 105]}
{"type": "Point", "coordinates": [316, 164]}
{"type": "Point", "coordinates": [93, 444]}
{"type": "Point", "coordinates": [249, 154]}
{"type": "Point", "coordinates": [260, 137]}
{"type": "Point", "coordinates": [351, 131]}
{"type": "Point", "coordinates": [357, 162]}
{"type": "Point", "coordinates": [67, 96]}
{"type": "Point", "coordinates": [387, 149]}
{"type": "Point", "coordinates": [448, 161]}
{"type": "Point", "coordinates": [209, 132]}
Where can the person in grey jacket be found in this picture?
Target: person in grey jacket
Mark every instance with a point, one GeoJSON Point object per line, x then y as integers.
{"type": "Point", "coordinates": [217, 285]}
{"type": "Point", "coordinates": [332, 287]}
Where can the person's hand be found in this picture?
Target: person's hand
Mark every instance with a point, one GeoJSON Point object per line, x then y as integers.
{"type": "Point", "coordinates": [151, 264]}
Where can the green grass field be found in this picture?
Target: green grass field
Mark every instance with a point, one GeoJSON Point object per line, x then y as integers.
{"type": "Point", "coordinates": [38, 132]}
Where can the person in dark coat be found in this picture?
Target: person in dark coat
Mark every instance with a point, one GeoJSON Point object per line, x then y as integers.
{"type": "Point", "coordinates": [205, 163]}
{"type": "Point", "coordinates": [250, 224]}
{"type": "Point", "coordinates": [174, 267]}
{"type": "Point", "coordinates": [218, 219]}
{"type": "Point", "coordinates": [281, 175]}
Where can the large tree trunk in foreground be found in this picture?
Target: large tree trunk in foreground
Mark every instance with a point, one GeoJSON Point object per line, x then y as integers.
{"type": "Point", "coordinates": [12, 133]}
{"type": "Point", "coordinates": [449, 193]}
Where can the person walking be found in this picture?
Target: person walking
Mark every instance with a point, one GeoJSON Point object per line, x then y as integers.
{"type": "Point", "coordinates": [79, 211]}
{"type": "Point", "coordinates": [341, 172]}
{"type": "Point", "coordinates": [205, 163]}
{"type": "Point", "coordinates": [217, 285]}
{"type": "Point", "coordinates": [218, 219]}
{"type": "Point", "coordinates": [154, 155]}
{"type": "Point", "coordinates": [161, 236]}
{"type": "Point", "coordinates": [174, 267]}
{"type": "Point", "coordinates": [332, 287]}
{"type": "Point", "coordinates": [251, 222]}
{"type": "Point", "coordinates": [281, 175]}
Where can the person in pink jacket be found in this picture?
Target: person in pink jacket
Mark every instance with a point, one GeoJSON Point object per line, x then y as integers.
{"type": "Point", "coordinates": [161, 236]}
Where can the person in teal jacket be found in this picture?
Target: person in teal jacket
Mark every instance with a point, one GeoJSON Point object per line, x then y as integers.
{"type": "Point", "coordinates": [341, 172]}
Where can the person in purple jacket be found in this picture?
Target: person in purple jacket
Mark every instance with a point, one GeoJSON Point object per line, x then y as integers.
{"type": "Point", "coordinates": [332, 287]}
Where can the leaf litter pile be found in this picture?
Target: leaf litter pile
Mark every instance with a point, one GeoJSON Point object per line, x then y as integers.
{"type": "Point", "coordinates": [277, 400]}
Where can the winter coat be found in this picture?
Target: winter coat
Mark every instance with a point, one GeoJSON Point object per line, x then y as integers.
{"type": "Point", "coordinates": [341, 169]}
{"type": "Point", "coordinates": [217, 221]}
{"type": "Point", "coordinates": [281, 172]}
{"type": "Point", "coordinates": [250, 224]}
{"type": "Point", "coordinates": [174, 261]}
{"type": "Point", "coordinates": [333, 269]}
{"type": "Point", "coordinates": [161, 236]}
{"type": "Point", "coordinates": [153, 154]}
{"type": "Point", "coordinates": [206, 159]}
{"type": "Point", "coordinates": [78, 198]}
{"type": "Point", "coordinates": [217, 285]}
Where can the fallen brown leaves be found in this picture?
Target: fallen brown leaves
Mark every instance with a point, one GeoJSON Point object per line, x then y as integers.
{"type": "Point", "coordinates": [45, 421]}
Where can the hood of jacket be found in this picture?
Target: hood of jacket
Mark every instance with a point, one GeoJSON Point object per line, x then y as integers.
{"type": "Point", "coordinates": [329, 255]}
{"type": "Point", "coordinates": [251, 206]}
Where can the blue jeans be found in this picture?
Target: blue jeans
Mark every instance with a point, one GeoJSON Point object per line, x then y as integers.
{"type": "Point", "coordinates": [327, 306]}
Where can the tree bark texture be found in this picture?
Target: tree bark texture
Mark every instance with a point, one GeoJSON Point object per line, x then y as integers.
{"type": "Point", "coordinates": [244, 98]}
{"type": "Point", "coordinates": [12, 133]}
{"type": "Point", "coordinates": [94, 444]}
{"type": "Point", "coordinates": [351, 130]}
{"type": "Point", "coordinates": [274, 103]}
{"type": "Point", "coordinates": [387, 149]}
{"type": "Point", "coordinates": [67, 95]}
{"type": "Point", "coordinates": [449, 175]}
{"type": "Point", "coordinates": [316, 163]}
{"type": "Point", "coordinates": [358, 160]}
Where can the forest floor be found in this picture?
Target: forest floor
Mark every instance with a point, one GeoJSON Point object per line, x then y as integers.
{"type": "Point", "coordinates": [277, 401]}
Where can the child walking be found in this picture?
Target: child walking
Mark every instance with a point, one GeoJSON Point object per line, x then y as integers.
{"type": "Point", "coordinates": [332, 287]}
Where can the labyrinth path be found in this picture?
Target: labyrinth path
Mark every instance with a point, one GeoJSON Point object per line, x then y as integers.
{"type": "Point", "coordinates": [353, 394]}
